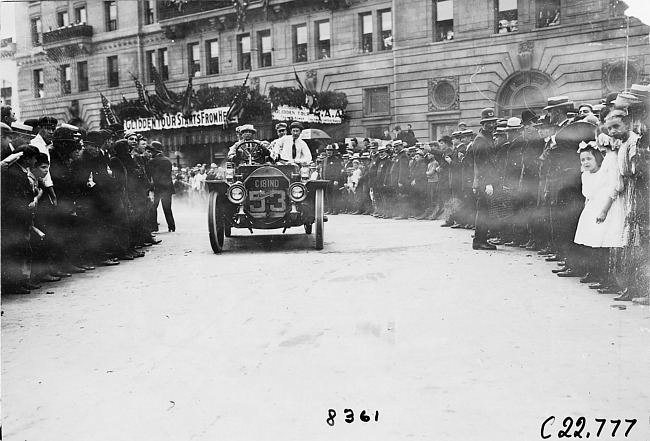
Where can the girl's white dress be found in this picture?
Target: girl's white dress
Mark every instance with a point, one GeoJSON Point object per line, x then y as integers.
{"type": "Point", "coordinates": [597, 187]}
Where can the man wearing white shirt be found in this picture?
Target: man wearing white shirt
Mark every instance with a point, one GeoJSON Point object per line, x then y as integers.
{"type": "Point", "coordinates": [42, 141]}
{"type": "Point", "coordinates": [292, 149]}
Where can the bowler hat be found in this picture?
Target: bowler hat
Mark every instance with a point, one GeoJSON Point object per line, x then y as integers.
{"type": "Point", "coordinates": [47, 121]}
{"type": "Point", "coordinates": [528, 116]}
{"type": "Point", "coordinates": [545, 121]}
{"type": "Point", "coordinates": [556, 102]}
{"type": "Point", "coordinates": [63, 134]}
{"type": "Point", "coordinates": [487, 115]}
{"type": "Point", "coordinates": [95, 138]}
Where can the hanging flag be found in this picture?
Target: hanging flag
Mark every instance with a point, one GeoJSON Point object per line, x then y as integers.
{"type": "Point", "coordinates": [108, 110]}
{"type": "Point", "coordinates": [236, 107]}
{"type": "Point", "coordinates": [309, 95]}
{"type": "Point", "coordinates": [143, 97]}
{"type": "Point", "coordinates": [240, 11]}
{"type": "Point", "coordinates": [186, 107]}
{"type": "Point", "coordinates": [161, 90]}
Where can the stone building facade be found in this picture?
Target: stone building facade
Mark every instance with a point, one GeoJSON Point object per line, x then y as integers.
{"type": "Point", "coordinates": [430, 63]}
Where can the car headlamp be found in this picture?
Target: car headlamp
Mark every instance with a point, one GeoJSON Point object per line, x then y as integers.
{"type": "Point", "coordinates": [297, 192]}
{"type": "Point", "coordinates": [236, 193]}
{"type": "Point", "coordinates": [230, 174]}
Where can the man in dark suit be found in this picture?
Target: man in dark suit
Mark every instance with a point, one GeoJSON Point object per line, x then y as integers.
{"type": "Point", "coordinates": [400, 179]}
{"type": "Point", "coordinates": [17, 212]}
{"type": "Point", "coordinates": [160, 170]}
{"type": "Point", "coordinates": [485, 177]}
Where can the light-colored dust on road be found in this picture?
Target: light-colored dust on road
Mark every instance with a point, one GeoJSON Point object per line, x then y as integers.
{"type": "Point", "coordinates": [400, 317]}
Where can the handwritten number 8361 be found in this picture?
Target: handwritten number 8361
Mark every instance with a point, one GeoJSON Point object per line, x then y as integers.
{"type": "Point", "coordinates": [349, 416]}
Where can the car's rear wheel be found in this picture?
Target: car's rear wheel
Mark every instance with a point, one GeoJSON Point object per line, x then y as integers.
{"type": "Point", "coordinates": [319, 209]}
{"type": "Point", "coordinates": [215, 223]}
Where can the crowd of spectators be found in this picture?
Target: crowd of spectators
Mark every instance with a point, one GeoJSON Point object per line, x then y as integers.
{"type": "Point", "coordinates": [73, 200]}
{"type": "Point", "coordinates": [520, 182]}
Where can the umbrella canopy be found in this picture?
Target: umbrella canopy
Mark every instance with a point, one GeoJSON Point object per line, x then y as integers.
{"type": "Point", "coordinates": [314, 134]}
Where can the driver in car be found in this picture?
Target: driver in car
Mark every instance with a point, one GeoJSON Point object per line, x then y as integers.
{"type": "Point", "coordinates": [292, 149]}
{"type": "Point", "coordinates": [248, 149]}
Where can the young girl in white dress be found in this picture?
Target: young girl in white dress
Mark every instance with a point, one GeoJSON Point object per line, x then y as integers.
{"type": "Point", "coordinates": [602, 221]}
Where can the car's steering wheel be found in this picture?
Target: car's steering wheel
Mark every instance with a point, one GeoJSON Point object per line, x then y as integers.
{"type": "Point", "coordinates": [252, 150]}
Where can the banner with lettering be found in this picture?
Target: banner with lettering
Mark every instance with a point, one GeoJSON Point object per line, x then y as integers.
{"type": "Point", "coordinates": [302, 114]}
{"type": "Point", "coordinates": [199, 118]}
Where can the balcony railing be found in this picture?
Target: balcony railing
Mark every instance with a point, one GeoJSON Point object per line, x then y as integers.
{"type": "Point", "coordinates": [79, 33]}
{"type": "Point", "coordinates": [180, 8]}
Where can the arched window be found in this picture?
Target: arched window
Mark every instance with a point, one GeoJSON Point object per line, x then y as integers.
{"type": "Point", "coordinates": [525, 90]}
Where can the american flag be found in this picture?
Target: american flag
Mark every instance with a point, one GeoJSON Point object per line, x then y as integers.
{"type": "Point", "coordinates": [108, 110]}
{"type": "Point", "coordinates": [186, 108]}
{"type": "Point", "coordinates": [236, 107]}
{"type": "Point", "coordinates": [143, 96]}
{"type": "Point", "coordinates": [161, 90]}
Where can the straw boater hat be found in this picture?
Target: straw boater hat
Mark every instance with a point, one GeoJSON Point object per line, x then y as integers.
{"type": "Point", "coordinates": [557, 102]}
{"type": "Point", "coordinates": [247, 128]}
{"type": "Point", "coordinates": [513, 123]}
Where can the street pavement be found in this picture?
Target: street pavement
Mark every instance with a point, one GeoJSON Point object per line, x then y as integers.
{"type": "Point", "coordinates": [400, 319]}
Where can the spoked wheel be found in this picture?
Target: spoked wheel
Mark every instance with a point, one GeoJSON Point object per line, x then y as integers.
{"type": "Point", "coordinates": [308, 228]}
{"type": "Point", "coordinates": [319, 209]}
{"type": "Point", "coordinates": [215, 223]}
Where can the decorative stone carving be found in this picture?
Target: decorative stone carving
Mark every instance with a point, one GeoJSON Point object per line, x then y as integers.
{"type": "Point", "coordinates": [525, 55]}
{"type": "Point", "coordinates": [614, 80]}
{"type": "Point", "coordinates": [311, 80]}
{"type": "Point", "coordinates": [443, 94]}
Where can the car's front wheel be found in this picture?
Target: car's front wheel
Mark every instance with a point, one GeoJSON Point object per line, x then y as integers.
{"type": "Point", "coordinates": [215, 223]}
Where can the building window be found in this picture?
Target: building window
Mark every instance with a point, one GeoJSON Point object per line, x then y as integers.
{"type": "Point", "coordinates": [110, 12]}
{"type": "Point", "coordinates": [548, 13]}
{"type": "Point", "coordinates": [505, 13]}
{"type": "Point", "coordinates": [113, 71]}
{"type": "Point", "coordinates": [265, 48]}
{"type": "Point", "coordinates": [149, 63]}
{"type": "Point", "coordinates": [444, 20]}
{"type": "Point", "coordinates": [80, 14]}
{"type": "Point", "coordinates": [212, 50]}
{"type": "Point", "coordinates": [39, 84]}
{"type": "Point", "coordinates": [5, 95]}
{"type": "Point", "coordinates": [148, 13]}
{"type": "Point", "coordinates": [66, 81]}
{"type": "Point", "coordinates": [300, 43]}
{"type": "Point", "coordinates": [194, 59]}
{"type": "Point", "coordinates": [163, 64]}
{"type": "Point", "coordinates": [386, 26]}
{"type": "Point", "coordinates": [37, 31]}
{"type": "Point", "coordinates": [376, 101]}
{"type": "Point", "coordinates": [366, 32]}
{"type": "Point", "coordinates": [323, 39]}
{"type": "Point", "coordinates": [82, 76]}
{"type": "Point", "coordinates": [62, 18]}
{"type": "Point", "coordinates": [244, 51]}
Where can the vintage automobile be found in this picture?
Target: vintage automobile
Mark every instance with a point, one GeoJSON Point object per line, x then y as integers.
{"type": "Point", "coordinates": [264, 196]}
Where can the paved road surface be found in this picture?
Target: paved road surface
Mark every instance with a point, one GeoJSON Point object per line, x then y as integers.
{"type": "Point", "coordinates": [399, 317]}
